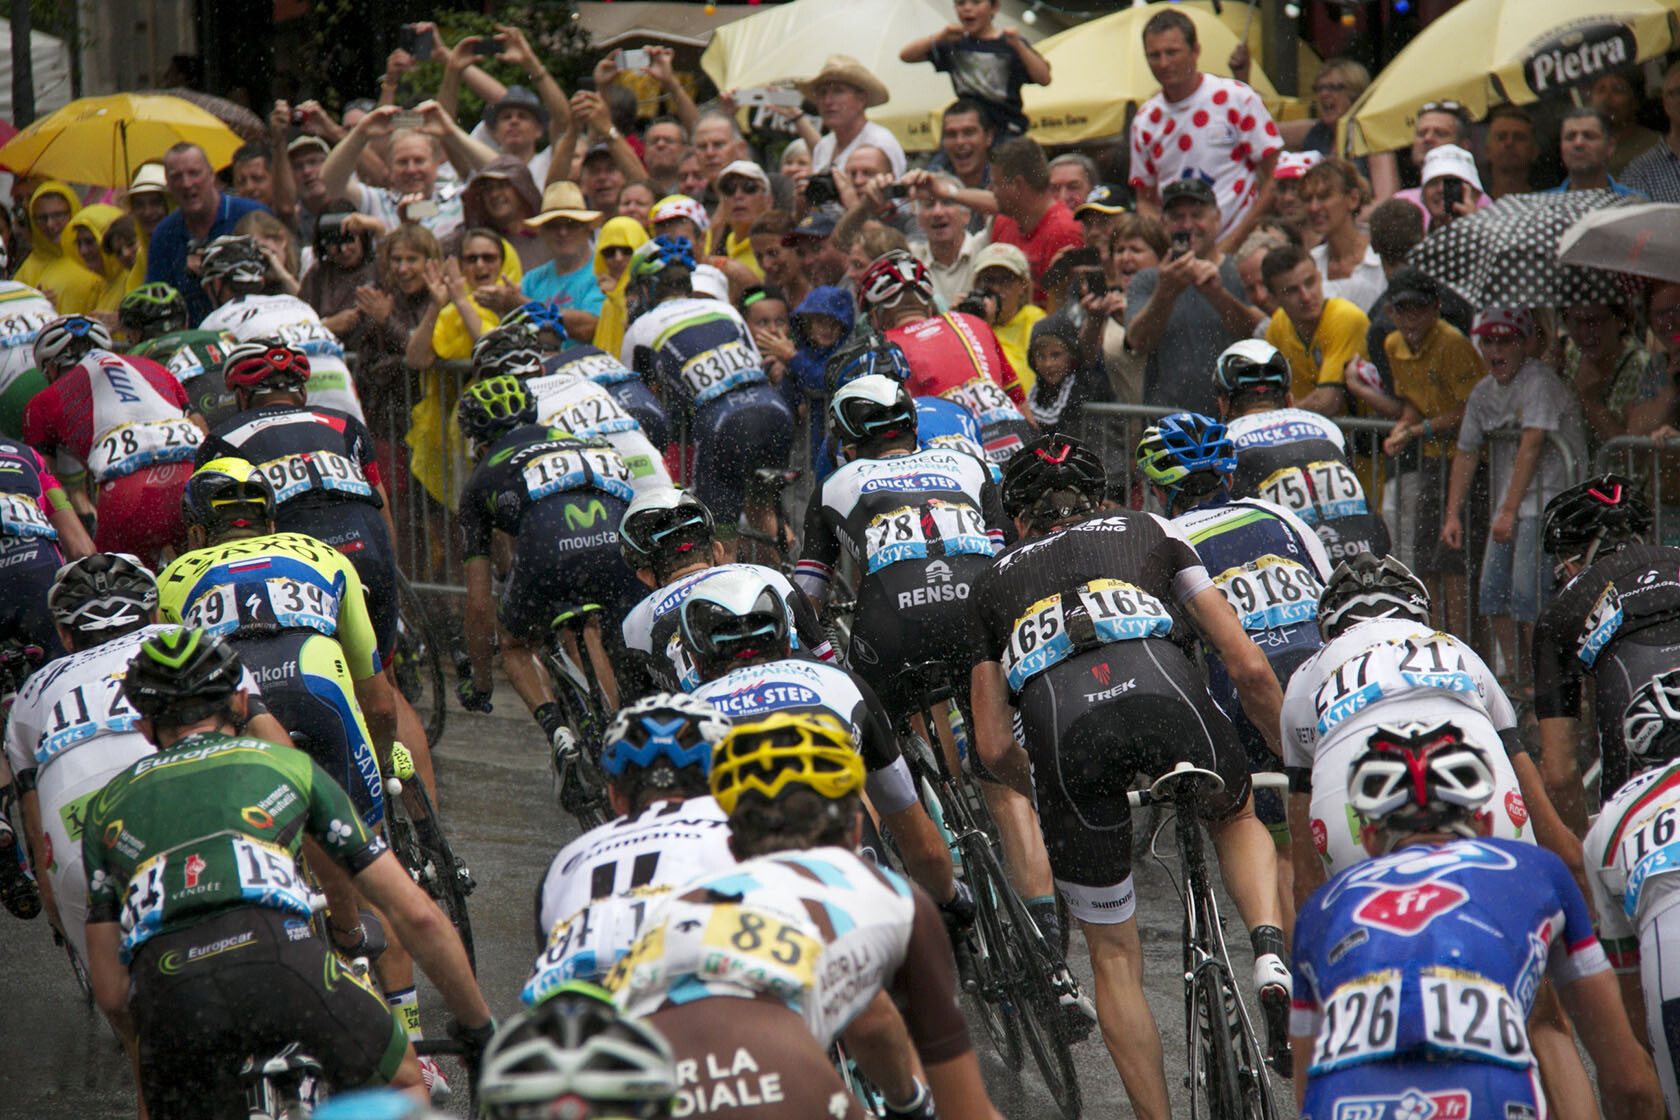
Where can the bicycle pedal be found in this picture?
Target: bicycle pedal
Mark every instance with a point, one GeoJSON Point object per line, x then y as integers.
{"type": "Point", "coordinates": [1274, 1006]}
{"type": "Point", "coordinates": [465, 879]}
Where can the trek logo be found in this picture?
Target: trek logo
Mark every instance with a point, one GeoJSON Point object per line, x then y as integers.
{"type": "Point", "coordinates": [194, 867]}
{"type": "Point", "coordinates": [1102, 673]}
{"type": "Point", "coordinates": [1110, 693]}
{"type": "Point", "coordinates": [1577, 54]}
{"type": "Point", "coordinates": [584, 517]}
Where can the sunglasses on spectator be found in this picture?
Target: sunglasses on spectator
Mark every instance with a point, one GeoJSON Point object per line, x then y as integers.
{"type": "Point", "coordinates": [739, 186]}
{"type": "Point", "coordinates": [612, 251]}
{"type": "Point", "coordinates": [1452, 107]}
{"type": "Point", "coordinates": [481, 258]}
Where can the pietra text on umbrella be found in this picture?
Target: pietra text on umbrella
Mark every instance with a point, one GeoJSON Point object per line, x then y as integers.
{"type": "Point", "coordinates": [1577, 55]}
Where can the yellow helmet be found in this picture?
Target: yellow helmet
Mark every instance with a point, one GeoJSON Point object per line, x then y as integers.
{"type": "Point", "coordinates": [770, 754]}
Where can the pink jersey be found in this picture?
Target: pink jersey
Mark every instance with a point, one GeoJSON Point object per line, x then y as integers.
{"type": "Point", "coordinates": [115, 413]}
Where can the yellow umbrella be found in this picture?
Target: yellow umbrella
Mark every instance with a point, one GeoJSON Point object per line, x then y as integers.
{"type": "Point", "coordinates": [1235, 13]}
{"type": "Point", "coordinates": [1484, 52]}
{"type": "Point", "coordinates": [102, 140]}
{"type": "Point", "coordinates": [1099, 68]}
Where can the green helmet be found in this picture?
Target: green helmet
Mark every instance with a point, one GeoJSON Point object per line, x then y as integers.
{"type": "Point", "coordinates": [493, 406]}
{"type": "Point", "coordinates": [184, 674]}
{"type": "Point", "coordinates": [153, 309]}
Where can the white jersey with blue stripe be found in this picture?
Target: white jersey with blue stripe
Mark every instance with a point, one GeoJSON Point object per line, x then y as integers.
{"type": "Point", "coordinates": [580, 406]}
{"type": "Point", "coordinates": [1631, 853]}
{"type": "Point", "coordinates": [698, 349]}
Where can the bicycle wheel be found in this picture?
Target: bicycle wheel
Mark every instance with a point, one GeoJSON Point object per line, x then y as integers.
{"type": "Point", "coordinates": [418, 661]}
{"type": "Point", "coordinates": [856, 1083]}
{"type": "Point", "coordinates": [416, 836]}
{"type": "Point", "coordinates": [1248, 1092]}
{"type": "Point", "coordinates": [985, 957]}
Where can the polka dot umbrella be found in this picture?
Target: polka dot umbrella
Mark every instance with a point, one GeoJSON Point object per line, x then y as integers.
{"type": "Point", "coordinates": [1507, 255]}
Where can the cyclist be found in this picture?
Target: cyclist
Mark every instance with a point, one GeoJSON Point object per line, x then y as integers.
{"type": "Point", "coordinates": [570, 402]}
{"type": "Point", "coordinates": [735, 629]}
{"type": "Point", "coordinates": [23, 312]}
{"type": "Point", "coordinates": [801, 937]}
{"type": "Point", "coordinates": [323, 470]}
{"type": "Point", "coordinates": [233, 273]}
{"type": "Point", "coordinates": [1289, 456]}
{"type": "Point", "coordinates": [1085, 627]}
{"type": "Point", "coordinates": [667, 538]}
{"type": "Point", "coordinates": [561, 355]}
{"type": "Point", "coordinates": [1269, 564]}
{"type": "Point", "coordinates": [199, 861]}
{"type": "Point", "coordinates": [1616, 618]}
{"type": "Point", "coordinates": [38, 530]}
{"type": "Point", "coordinates": [576, 1055]}
{"type": "Point", "coordinates": [127, 420]}
{"type": "Point", "coordinates": [701, 356]}
{"type": "Point", "coordinates": [558, 500]}
{"type": "Point", "coordinates": [656, 753]}
{"type": "Point", "coordinates": [1418, 966]}
{"type": "Point", "coordinates": [953, 356]}
{"type": "Point", "coordinates": [155, 317]}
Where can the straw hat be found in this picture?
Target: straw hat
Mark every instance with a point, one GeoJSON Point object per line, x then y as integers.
{"type": "Point", "coordinates": [148, 178]}
{"type": "Point", "coordinates": [563, 200]}
{"type": "Point", "coordinates": [845, 68]}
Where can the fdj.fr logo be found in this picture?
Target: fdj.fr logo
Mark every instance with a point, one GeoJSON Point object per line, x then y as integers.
{"type": "Point", "coordinates": [583, 517]}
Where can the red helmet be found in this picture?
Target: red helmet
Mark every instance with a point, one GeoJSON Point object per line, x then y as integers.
{"type": "Point", "coordinates": [889, 274]}
{"type": "Point", "coordinates": [265, 365]}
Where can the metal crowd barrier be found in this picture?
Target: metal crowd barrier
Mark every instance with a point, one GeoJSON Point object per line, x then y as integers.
{"type": "Point", "coordinates": [1656, 467]}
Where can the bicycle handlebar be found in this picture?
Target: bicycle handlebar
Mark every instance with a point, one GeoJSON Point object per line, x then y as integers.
{"type": "Point", "coordinates": [1266, 779]}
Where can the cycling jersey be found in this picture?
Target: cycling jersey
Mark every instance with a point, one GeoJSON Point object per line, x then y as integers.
{"type": "Point", "coordinates": [213, 823]}
{"type": "Point", "coordinates": [1298, 460]}
{"type": "Point", "coordinates": [821, 931]}
{"type": "Point", "coordinates": [23, 311]}
{"type": "Point", "coordinates": [628, 389]}
{"type": "Point", "coordinates": [652, 628]}
{"type": "Point", "coordinates": [1619, 621]}
{"type": "Point", "coordinates": [956, 358]}
{"type": "Point", "coordinates": [599, 888]}
{"type": "Point", "coordinates": [947, 425]}
{"type": "Point", "coordinates": [579, 406]}
{"type": "Point", "coordinates": [116, 414]}
{"type": "Point", "coordinates": [195, 357]}
{"type": "Point", "coordinates": [71, 730]}
{"type": "Point", "coordinates": [698, 350]}
{"type": "Point", "coordinates": [311, 456]}
{"type": "Point", "coordinates": [265, 586]}
{"type": "Point", "coordinates": [1430, 957]}
{"type": "Point", "coordinates": [29, 553]}
{"type": "Point", "coordinates": [294, 323]}
{"type": "Point", "coordinates": [1383, 671]}
{"type": "Point", "coordinates": [794, 686]}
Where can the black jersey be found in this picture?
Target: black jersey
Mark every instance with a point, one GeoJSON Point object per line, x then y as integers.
{"type": "Point", "coordinates": [309, 455]}
{"type": "Point", "coordinates": [1115, 576]}
{"type": "Point", "coordinates": [1630, 595]}
{"type": "Point", "coordinates": [537, 468]}
{"type": "Point", "coordinates": [1298, 460]}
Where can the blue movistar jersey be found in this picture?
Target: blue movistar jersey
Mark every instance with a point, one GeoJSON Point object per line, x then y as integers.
{"type": "Point", "coordinates": [1434, 954]}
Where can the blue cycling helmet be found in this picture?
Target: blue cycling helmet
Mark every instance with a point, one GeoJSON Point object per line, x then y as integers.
{"type": "Point", "coordinates": [657, 255]}
{"type": "Point", "coordinates": [873, 355]}
{"type": "Point", "coordinates": [539, 315]}
{"type": "Point", "coordinates": [1182, 446]}
{"type": "Point", "coordinates": [670, 728]}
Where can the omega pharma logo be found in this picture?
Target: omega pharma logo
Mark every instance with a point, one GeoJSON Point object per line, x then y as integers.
{"type": "Point", "coordinates": [1578, 54]}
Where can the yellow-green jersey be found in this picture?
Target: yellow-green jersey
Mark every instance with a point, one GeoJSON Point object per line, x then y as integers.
{"type": "Point", "coordinates": [262, 586]}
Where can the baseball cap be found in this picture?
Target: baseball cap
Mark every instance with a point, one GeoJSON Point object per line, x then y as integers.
{"type": "Point", "coordinates": [1503, 321]}
{"type": "Point", "coordinates": [1410, 284]}
{"type": "Point", "coordinates": [1293, 165]}
{"type": "Point", "coordinates": [601, 150]}
{"type": "Point", "coordinates": [308, 140]}
{"type": "Point", "coordinates": [818, 224]}
{"type": "Point", "coordinates": [744, 169]}
{"type": "Point", "coordinates": [1007, 257]}
{"type": "Point", "coordinates": [1450, 159]}
{"type": "Point", "coordinates": [679, 206]}
{"type": "Point", "coordinates": [1103, 199]}
{"type": "Point", "coordinates": [1187, 188]}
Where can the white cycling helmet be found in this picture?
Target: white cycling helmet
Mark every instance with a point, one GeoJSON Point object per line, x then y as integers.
{"type": "Point", "coordinates": [1420, 777]}
{"type": "Point", "coordinates": [872, 407]}
{"type": "Point", "coordinates": [64, 341]}
{"type": "Point", "coordinates": [735, 615]}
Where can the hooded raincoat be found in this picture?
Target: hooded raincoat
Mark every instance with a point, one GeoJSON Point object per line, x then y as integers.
{"type": "Point", "coordinates": [72, 287]}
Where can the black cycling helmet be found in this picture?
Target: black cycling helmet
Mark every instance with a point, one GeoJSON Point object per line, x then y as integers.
{"type": "Point", "coordinates": [1594, 517]}
{"type": "Point", "coordinates": [511, 350]}
{"type": "Point", "coordinates": [108, 591]}
{"type": "Point", "coordinates": [1052, 479]}
{"type": "Point", "coordinates": [870, 354]}
{"type": "Point", "coordinates": [1363, 587]}
{"type": "Point", "coordinates": [494, 406]}
{"type": "Point", "coordinates": [872, 408]}
{"type": "Point", "coordinates": [182, 675]}
{"type": "Point", "coordinates": [228, 493]}
{"type": "Point", "coordinates": [662, 527]}
{"type": "Point", "coordinates": [1651, 722]}
{"type": "Point", "coordinates": [234, 257]}
{"type": "Point", "coordinates": [153, 309]}
{"type": "Point", "coordinates": [1251, 366]}
{"type": "Point", "coordinates": [733, 618]}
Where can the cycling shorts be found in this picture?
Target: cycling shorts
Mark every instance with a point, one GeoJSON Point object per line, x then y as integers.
{"type": "Point", "coordinates": [306, 684]}
{"type": "Point", "coordinates": [789, 1076]}
{"type": "Point", "coordinates": [1091, 724]}
{"type": "Point", "coordinates": [27, 568]}
{"type": "Point", "coordinates": [141, 512]}
{"type": "Point", "coordinates": [1422, 1088]}
{"type": "Point", "coordinates": [911, 612]}
{"type": "Point", "coordinates": [1621, 672]}
{"type": "Point", "coordinates": [745, 430]}
{"type": "Point", "coordinates": [1659, 952]}
{"type": "Point", "coordinates": [560, 565]}
{"type": "Point", "coordinates": [634, 397]}
{"type": "Point", "coordinates": [250, 981]}
{"type": "Point", "coordinates": [358, 531]}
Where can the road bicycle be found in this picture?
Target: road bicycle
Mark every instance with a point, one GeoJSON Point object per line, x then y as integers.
{"type": "Point", "coordinates": [416, 836]}
{"type": "Point", "coordinates": [577, 669]}
{"type": "Point", "coordinates": [418, 660]}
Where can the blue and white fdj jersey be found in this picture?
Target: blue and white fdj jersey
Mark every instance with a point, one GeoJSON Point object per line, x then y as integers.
{"type": "Point", "coordinates": [699, 349]}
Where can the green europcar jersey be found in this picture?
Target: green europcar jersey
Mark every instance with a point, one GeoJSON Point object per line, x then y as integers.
{"type": "Point", "coordinates": [213, 823]}
{"type": "Point", "coordinates": [195, 358]}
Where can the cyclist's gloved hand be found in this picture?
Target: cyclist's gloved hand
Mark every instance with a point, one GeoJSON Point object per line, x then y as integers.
{"type": "Point", "coordinates": [474, 1041]}
{"type": "Point", "coordinates": [474, 699]}
{"type": "Point", "coordinates": [919, 1107]}
{"type": "Point", "coordinates": [959, 910]}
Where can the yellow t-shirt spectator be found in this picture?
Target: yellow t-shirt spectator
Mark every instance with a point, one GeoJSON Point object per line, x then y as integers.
{"type": "Point", "coordinates": [1015, 336]}
{"type": "Point", "coordinates": [1340, 336]}
{"type": "Point", "coordinates": [1437, 377]}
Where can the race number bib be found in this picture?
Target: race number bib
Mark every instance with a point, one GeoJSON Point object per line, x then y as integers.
{"type": "Point", "coordinates": [21, 516]}
{"type": "Point", "coordinates": [760, 950]}
{"type": "Point", "coordinates": [20, 328]}
{"type": "Point", "coordinates": [592, 416]}
{"type": "Point", "coordinates": [129, 447]}
{"type": "Point", "coordinates": [1321, 491]}
{"type": "Point", "coordinates": [268, 876]}
{"type": "Point", "coordinates": [1271, 593]}
{"type": "Point", "coordinates": [142, 905]}
{"type": "Point", "coordinates": [312, 338]}
{"type": "Point", "coordinates": [1360, 1021]}
{"type": "Point", "coordinates": [277, 603]}
{"type": "Point", "coordinates": [294, 475]}
{"type": "Point", "coordinates": [1391, 669]}
{"type": "Point", "coordinates": [94, 707]}
{"type": "Point", "coordinates": [1466, 1015]}
{"type": "Point", "coordinates": [1114, 611]}
{"type": "Point", "coordinates": [588, 944]}
{"type": "Point", "coordinates": [603, 369]}
{"type": "Point", "coordinates": [938, 528]}
{"type": "Point", "coordinates": [722, 368]}
{"type": "Point", "coordinates": [555, 472]}
{"type": "Point", "coordinates": [982, 397]}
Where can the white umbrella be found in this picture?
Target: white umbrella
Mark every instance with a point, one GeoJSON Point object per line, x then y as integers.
{"type": "Point", "coordinates": [1642, 239]}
